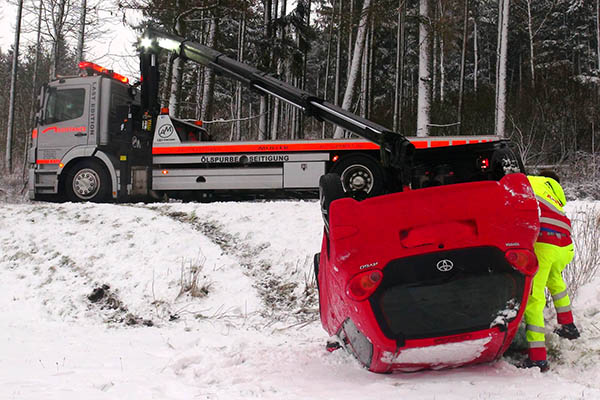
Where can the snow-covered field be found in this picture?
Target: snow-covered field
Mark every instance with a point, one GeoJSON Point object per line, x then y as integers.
{"type": "Point", "coordinates": [211, 301]}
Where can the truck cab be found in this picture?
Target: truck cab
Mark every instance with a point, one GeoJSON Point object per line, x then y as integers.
{"type": "Point", "coordinates": [79, 127]}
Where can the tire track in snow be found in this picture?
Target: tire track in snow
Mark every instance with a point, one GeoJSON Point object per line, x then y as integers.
{"type": "Point", "coordinates": [280, 296]}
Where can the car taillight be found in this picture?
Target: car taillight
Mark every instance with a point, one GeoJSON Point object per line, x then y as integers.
{"type": "Point", "coordinates": [522, 260]}
{"type": "Point", "coordinates": [364, 284]}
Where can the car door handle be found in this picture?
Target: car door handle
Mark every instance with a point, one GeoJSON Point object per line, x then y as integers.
{"type": "Point", "coordinates": [80, 134]}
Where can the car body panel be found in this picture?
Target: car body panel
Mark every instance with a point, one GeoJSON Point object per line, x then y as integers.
{"type": "Point", "coordinates": [476, 218]}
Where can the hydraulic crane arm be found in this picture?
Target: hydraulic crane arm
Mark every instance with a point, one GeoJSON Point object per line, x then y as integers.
{"type": "Point", "coordinates": [396, 150]}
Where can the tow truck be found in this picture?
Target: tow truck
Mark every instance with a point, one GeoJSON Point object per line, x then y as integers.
{"type": "Point", "coordinates": [427, 251]}
{"type": "Point", "coordinates": [97, 138]}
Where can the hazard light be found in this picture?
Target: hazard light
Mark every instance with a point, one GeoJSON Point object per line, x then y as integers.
{"type": "Point", "coordinates": [91, 67]}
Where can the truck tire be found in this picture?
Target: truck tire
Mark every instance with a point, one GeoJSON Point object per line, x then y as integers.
{"type": "Point", "coordinates": [361, 176]}
{"type": "Point", "coordinates": [87, 181]}
{"type": "Point", "coordinates": [330, 189]}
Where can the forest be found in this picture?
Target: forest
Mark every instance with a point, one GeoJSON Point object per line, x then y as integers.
{"type": "Point", "coordinates": [527, 70]}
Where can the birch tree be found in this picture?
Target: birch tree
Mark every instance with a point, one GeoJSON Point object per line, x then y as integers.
{"type": "Point", "coordinates": [462, 63]}
{"type": "Point", "coordinates": [356, 60]}
{"type": "Point", "coordinates": [503, 15]}
{"type": "Point", "coordinates": [399, 81]}
{"type": "Point", "coordinates": [424, 91]}
{"type": "Point", "coordinates": [263, 109]}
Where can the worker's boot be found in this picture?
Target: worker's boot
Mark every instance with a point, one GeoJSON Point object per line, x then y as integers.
{"type": "Point", "coordinates": [568, 331]}
{"type": "Point", "coordinates": [529, 363]}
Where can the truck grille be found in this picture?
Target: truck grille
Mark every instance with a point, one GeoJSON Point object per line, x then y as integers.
{"type": "Point", "coordinates": [446, 293]}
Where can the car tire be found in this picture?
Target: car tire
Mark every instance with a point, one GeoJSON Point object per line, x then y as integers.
{"type": "Point", "coordinates": [316, 260]}
{"type": "Point", "coordinates": [87, 181]}
{"type": "Point", "coordinates": [330, 189]}
{"type": "Point", "coordinates": [361, 176]}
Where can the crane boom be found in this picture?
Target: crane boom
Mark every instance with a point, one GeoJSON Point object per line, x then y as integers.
{"type": "Point", "coordinates": [396, 150]}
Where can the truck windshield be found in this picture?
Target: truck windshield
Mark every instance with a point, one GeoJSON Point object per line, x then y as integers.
{"type": "Point", "coordinates": [64, 105]}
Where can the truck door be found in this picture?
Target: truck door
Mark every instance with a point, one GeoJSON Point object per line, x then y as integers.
{"type": "Point", "coordinates": [65, 122]}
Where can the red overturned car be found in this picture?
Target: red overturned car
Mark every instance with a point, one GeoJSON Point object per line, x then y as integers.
{"type": "Point", "coordinates": [435, 276]}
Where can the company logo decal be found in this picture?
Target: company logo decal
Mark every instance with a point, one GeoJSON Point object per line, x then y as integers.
{"type": "Point", "coordinates": [444, 265]}
{"type": "Point", "coordinates": [66, 129]}
{"type": "Point", "coordinates": [165, 131]}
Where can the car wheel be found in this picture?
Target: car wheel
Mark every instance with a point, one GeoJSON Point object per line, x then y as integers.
{"type": "Point", "coordinates": [330, 189]}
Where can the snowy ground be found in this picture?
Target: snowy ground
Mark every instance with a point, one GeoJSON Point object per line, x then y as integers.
{"type": "Point", "coordinates": [211, 301]}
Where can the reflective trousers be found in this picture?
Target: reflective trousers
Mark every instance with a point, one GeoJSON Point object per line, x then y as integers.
{"type": "Point", "coordinates": [552, 260]}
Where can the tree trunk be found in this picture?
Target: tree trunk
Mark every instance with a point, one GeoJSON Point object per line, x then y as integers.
{"type": "Point", "coordinates": [461, 86]}
{"type": "Point", "coordinates": [327, 62]}
{"type": "Point", "coordinates": [238, 91]}
{"type": "Point", "coordinates": [399, 86]}
{"type": "Point", "coordinates": [209, 75]}
{"type": "Point", "coordinates": [13, 88]}
{"type": "Point", "coordinates": [598, 31]}
{"type": "Point", "coordinates": [356, 58]}
{"type": "Point", "coordinates": [501, 77]}
{"type": "Point", "coordinates": [338, 57]}
{"type": "Point", "coordinates": [177, 77]}
{"type": "Point", "coordinates": [263, 122]}
{"type": "Point", "coordinates": [476, 54]}
{"type": "Point", "coordinates": [531, 54]}
{"type": "Point", "coordinates": [58, 20]}
{"type": "Point", "coordinates": [424, 94]}
{"type": "Point", "coordinates": [81, 41]}
{"type": "Point", "coordinates": [276, 102]}
{"type": "Point", "coordinates": [34, 103]}
{"type": "Point", "coordinates": [364, 76]}
{"type": "Point", "coordinates": [442, 68]}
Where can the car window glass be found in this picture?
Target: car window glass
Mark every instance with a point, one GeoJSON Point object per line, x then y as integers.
{"type": "Point", "coordinates": [64, 105]}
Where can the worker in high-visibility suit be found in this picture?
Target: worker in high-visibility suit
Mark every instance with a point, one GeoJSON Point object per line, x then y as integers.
{"type": "Point", "coordinates": [554, 250]}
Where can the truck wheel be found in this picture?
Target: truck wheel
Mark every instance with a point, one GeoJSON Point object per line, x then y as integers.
{"type": "Point", "coordinates": [361, 176]}
{"type": "Point", "coordinates": [87, 181]}
{"type": "Point", "coordinates": [330, 189]}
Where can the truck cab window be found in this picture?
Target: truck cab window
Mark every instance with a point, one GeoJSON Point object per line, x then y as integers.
{"type": "Point", "coordinates": [64, 105]}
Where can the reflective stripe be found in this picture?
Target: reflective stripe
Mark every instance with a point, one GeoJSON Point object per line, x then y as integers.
{"type": "Point", "coordinates": [559, 296]}
{"type": "Point", "coordinates": [549, 204]}
{"type": "Point", "coordinates": [563, 309]}
{"type": "Point", "coordinates": [536, 345]}
{"type": "Point", "coordinates": [533, 328]}
{"type": "Point", "coordinates": [556, 222]}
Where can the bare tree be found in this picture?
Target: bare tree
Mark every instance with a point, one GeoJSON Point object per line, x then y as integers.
{"type": "Point", "coordinates": [13, 88]}
{"type": "Point", "coordinates": [238, 89]}
{"type": "Point", "coordinates": [82, 24]}
{"type": "Point", "coordinates": [209, 75]}
{"type": "Point", "coordinates": [463, 55]}
{"type": "Point", "coordinates": [598, 32]}
{"type": "Point", "coordinates": [399, 86]}
{"type": "Point", "coordinates": [356, 59]}
{"type": "Point", "coordinates": [424, 94]}
{"type": "Point", "coordinates": [263, 122]}
{"type": "Point", "coordinates": [503, 15]}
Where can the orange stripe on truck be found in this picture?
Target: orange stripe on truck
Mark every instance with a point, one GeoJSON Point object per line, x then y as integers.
{"type": "Point", "coordinates": [257, 148]}
{"type": "Point", "coordinates": [48, 161]}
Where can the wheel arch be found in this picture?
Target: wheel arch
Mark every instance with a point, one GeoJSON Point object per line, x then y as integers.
{"type": "Point", "coordinates": [76, 155]}
{"type": "Point", "coordinates": [344, 154]}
